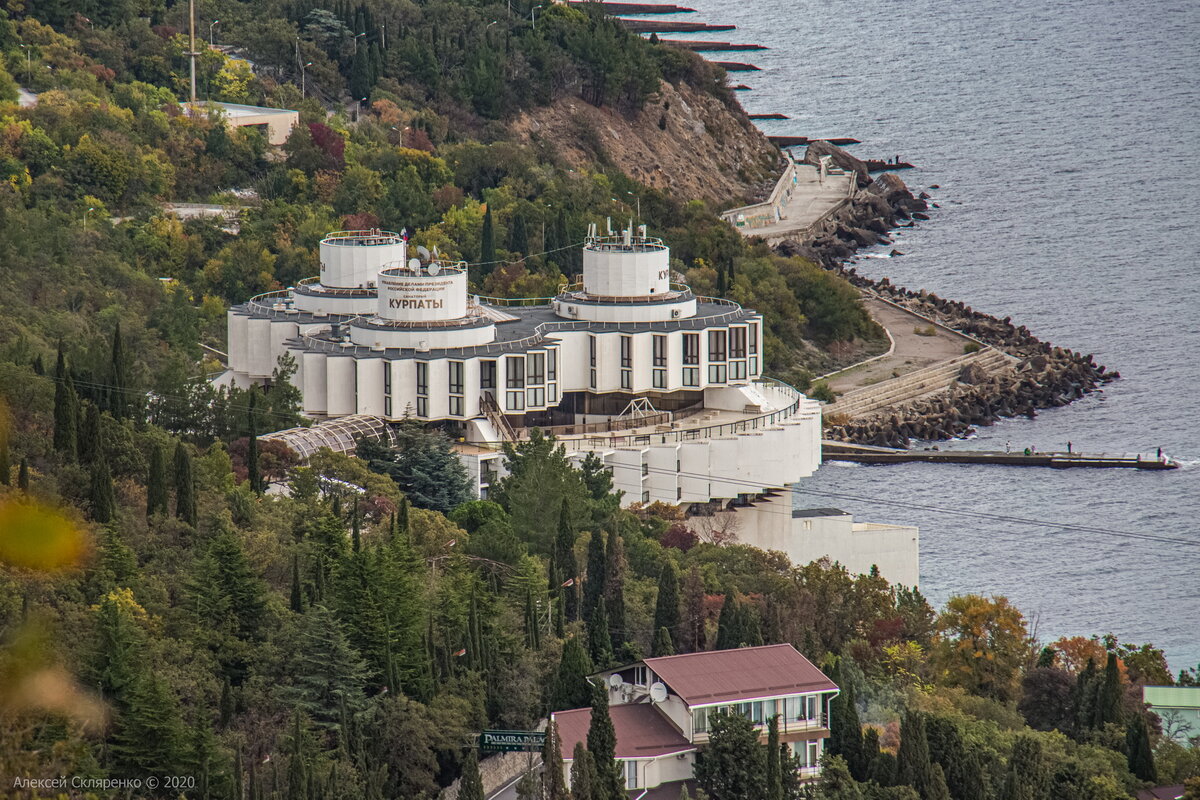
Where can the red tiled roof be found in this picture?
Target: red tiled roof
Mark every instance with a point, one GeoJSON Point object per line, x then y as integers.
{"type": "Point", "coordinates": [1161, 793]}
{"type": "Point", "coordinates": [722, 676]}
{"type": "Point", "coordinates": [642, 731]}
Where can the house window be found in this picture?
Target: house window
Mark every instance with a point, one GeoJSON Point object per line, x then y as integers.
{"type": "Point", "coordinates": [691, 376]}
{"type": "Point", "coordinates": [753, 336]}
{"type": "Point", "coordinates": [716, 373]}
{"type": "Point", "coordinates": [691, 348]}
{"type": "Point", "coordinates": [627, 351]}
{"type": "Point", "coordinates": [592, 349]}
{"type": "Point", "coordinates": [700, 720]}
{"type": "Point", "coordinates": [627, 379]}
{"type": "Point", "coordinates": [551, 365]}
{"type": "Point", "coordinates": [592, 379]}
{"type": "Point", "coordinates": [387, 389]}
{"type": "Point", "coordinates": [737, 370]}
{"type": "Point", "coordinates": [515, 375]}
{"type": "Point", "coordinates": [487, 377]}
{"type": "Point", "coordinates": [660, 379]}
{"type": "Point", "coordinates": [660, 350]}
{"type": "Point", "coordinates": [737, 342]}
{"type": "Point", "coordinates": [536, 368]}
{"type": "Point", "coordinates": [631, 774]}
{"type": "Point", "coordinates": [753, 365]}
{"type": "Point", "coordinates": [716, 345]}
{"type": "Point", "coordinates": [422, 378]}
{"type": "Point", "coordinates": [515, 401]}
{"type": "Point", "coordinates": [808, 754]}
{"type": "Point", "coordinates": [422, 406]}
{"type": "Point", "coordinates": [536, 396]}
{"type": "Point", "coordinates": [456, 377]}
{"type": "Point", "coordinates": [552, 394]}
{"type": "Point", "coordinates": [387, 405]}
{"type": "Point", "coordinates": [456, 406]}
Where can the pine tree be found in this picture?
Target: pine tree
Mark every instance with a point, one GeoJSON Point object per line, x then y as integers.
{"type": "Point", "coordinates": [774, 766]}
{"type": "Point", "coordinates": [1137, 748]}
{"type": "Point", "coordinates": [614, 590]}
{"type": "Point", "coordinates": [963, 772]}
{"type": "Point", "coordinates": [666, 607]}
{"type": "Point", "coordinates": [487, 250]}
{"type": "Point", "coordinates": [554, 783]}
{"type": "Point", "coordinates": [1108, 701]}
{"type": "Point", "coordinates": [571, 688]}
{"type": "Point", "coordinates": [325, 668]}
{"type": "Point", "coordinates": [156, 483]}
{"type": "Point", "coordinates": [518, 234]}
{"type": "Point", "coordinates": [694, 636]}
{"type": "Point", "coordinates": [118, 562]}
{"type": "Point", "coordinates": [662, 644]}
{"type": "Point", "coordinates": [23, 475]}
{"type": "Point", "coordinates": [66, 409]}
{"type": "Point", "coordinates": [297, 601]}
{"type": "Point", "coordinates": [89, 435]}
{"type": "Point", "coordinates": [471, 784]}
{"type": "Point", "coordinates": [599, 637]}
{"type": "Point", "coordinates": [229, 595]}
{"type": "Point", "coordinates": [118, 389]}
{"type": "Point", "coordinates": [602, 744]}
{"type": "Point", "coordinates": [253, 473]}
{"type": "Point", "coordinates": [185, 486]}
{"type": "Point", "coordinates": [104, 501]}
{"type": "Point", "coordinates": [583, 775]}
{"type": "Point", "coordinates": [597, 566]}
{"type": "Point", "coordinates": [565, 565]}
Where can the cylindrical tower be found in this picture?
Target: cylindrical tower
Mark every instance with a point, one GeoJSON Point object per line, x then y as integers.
{"type": "Point", "coordinates": [627, 265]}
{"type": "Point", "coordinates": [428, 293]}
{"type": "Point", "coordinates": [352, 259]}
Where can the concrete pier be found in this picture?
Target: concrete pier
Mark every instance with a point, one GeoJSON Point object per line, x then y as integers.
{"type": "Point", "coordinates": [840, 451]}
{"type": "Point", "coordinates": [802, 197]}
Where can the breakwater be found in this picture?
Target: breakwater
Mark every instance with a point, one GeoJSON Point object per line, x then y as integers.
{"type": "Point", "coordinates": [1044, 376]}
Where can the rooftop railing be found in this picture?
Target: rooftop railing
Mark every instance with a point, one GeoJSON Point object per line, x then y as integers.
{"type": "Point", "coordinates": [366, 238]}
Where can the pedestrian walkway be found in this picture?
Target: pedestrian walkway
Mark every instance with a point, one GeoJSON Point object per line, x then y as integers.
{"type": "Point", "coordinates": [801, 198]}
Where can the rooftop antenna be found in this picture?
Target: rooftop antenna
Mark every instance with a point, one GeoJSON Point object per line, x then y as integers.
{"type": "Point", "coordinates": [192, 46]}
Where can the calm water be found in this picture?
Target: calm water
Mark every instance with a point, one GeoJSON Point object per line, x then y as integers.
{"type": "Point", "coordinates": [1065, 137]}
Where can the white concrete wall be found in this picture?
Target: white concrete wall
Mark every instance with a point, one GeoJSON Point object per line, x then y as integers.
{"type": "Point", "coordinates": [312, 378]}
{"type": "Point", "coordinates": [340, 394]}
{"type": "Point", "coordinates": [348, 265]}
{"type": "Point", "coordinates": [641, 312]}
{"type": "Point", "coordinates": [626, 273]}
{"type": "Point", "coordinates": [665, 769]}
{"type": "Point", "coordinates": [369, 397]}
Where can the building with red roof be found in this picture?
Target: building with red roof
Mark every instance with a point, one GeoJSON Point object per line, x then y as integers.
{"type": "Point", "coordinates": [661, 708]}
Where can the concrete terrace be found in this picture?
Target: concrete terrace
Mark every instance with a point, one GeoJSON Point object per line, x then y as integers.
{"type": "Point", "coordinates": [800, 199]}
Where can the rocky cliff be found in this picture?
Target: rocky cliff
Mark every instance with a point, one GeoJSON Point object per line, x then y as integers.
{"type": "Point", "coordinates": [683, 141]}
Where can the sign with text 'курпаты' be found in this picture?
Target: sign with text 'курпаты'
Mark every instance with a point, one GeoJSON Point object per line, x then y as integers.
{"type": "Point", "coordinates": [510, 741]}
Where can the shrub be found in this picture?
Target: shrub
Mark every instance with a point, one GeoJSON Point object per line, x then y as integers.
{"type": "Point", "coordinates": [972, 347]}
{"type": "Point", "coordinates": [821, 391]}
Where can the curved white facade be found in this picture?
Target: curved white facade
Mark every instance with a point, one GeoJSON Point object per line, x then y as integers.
{"type": "Point", "coordinates": [426, 294]}
{"type": "Point", "coordinates": [352, 259]}
{"type": "Point", "coordinates": [626, 266]}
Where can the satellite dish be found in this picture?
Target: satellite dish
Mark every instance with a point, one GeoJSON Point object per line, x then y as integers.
{"type": "Point", "coordinates": [414, 264]}
{"type": "Point", "coordinates": [435, 267]}
{"type": "Point", "coordinates": [421, 249]}
{"type": "Point", "coordinates": [658, 692]}
{"type": "Point", "coordinates": [615, 681]}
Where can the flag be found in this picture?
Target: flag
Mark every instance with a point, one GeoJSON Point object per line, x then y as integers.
{"type": "Point", "coordinates": [462, 652]}
{"type": "Point", "coordinates": [568, 582]}
{"type": "Point", "coordinates": [266, 758]}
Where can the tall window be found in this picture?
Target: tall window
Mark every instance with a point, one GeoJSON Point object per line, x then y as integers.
{"type": "Point", "coordinates": [535, 372]}
{"type": "Point", "coordinates": [422, 389]}
{"type": "Point", "coordinates": [514, 375]}
{"type": "Point", "coordinates": [456, 377]}
{"type": "Point", "coordinates": [660, 379]}
{"type": "Point", "coordinates": [753, 335]}
{"type": "Point", "coordinates": [487, 378]}
{"type": "Point", "coordinates": [387, 389]}
{"type": "Point", "coordinates": [631, 774]}
{"type": "Point", "coordinates": [737, 342]}
{"type": "Point", "coordinates": [716, 345]}
{"type": "Point", "coordinates": [660, 350]}
{"type": "Point", "coordinates": [592, 349]}
{"type": "Point", "coordinates": [552, 365]}
{"type": "Point", "coordinates": [626, 351]}
{"type": "Point", "coordinates": [691, 348]}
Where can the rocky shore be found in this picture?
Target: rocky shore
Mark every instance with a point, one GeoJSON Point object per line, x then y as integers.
{"type": "Point", "coordinates": [1044, 376]}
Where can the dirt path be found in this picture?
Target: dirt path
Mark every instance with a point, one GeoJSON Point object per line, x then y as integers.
{"type": "Point", "coordinates": [913, 351]}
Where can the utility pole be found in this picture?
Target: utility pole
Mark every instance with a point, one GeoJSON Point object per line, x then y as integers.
{"type": "Point", "coordinates": [192, 46]}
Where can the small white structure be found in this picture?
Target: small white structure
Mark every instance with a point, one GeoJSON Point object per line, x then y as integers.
{"type": "Point", "coordinates": [277, 122]}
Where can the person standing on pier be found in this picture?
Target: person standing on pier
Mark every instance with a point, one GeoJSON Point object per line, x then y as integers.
{"type": "Point", "coordinates": [1068, 448]}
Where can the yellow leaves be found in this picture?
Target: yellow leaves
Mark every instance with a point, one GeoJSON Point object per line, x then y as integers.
{"type": "Point", "coordinates": [124, 601]}
{"type": "Point", "coordinates": [35, 537]}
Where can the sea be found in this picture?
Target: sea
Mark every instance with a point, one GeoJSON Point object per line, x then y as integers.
{"type": "Point", "coordinates": [1064, 140]}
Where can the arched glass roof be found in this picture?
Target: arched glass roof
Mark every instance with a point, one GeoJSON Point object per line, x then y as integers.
{"type": "Point", "coordinates": [339, 435]}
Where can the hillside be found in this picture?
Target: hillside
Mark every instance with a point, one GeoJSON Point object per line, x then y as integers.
{"type": "Point", "coordinates": [683, 141]}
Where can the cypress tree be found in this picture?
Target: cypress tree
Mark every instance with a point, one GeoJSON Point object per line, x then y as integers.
{"type": "Point", "coordinates": [400, 521]}
{"type": "Point", "coordinates": [1083, 698]}
{"type": "Point", "coordinates": [614, 590]}
{"type": "Point", "coordinates": [297, 603]}
{"type": "Point", "coordinates": [562, 240]}
{"type": "Point", "coordinates": [597, 566]}
{"type": "Point", "coordinates": [602, 744]}
{"type": "Point", "coordinates": [23, 475]}
{"type": "Point", "coordinates": [226, 706]}
{"type": "Point", "coordinates": [694, 634]}
{"type": "Point", "coordinates": [518, 234]}
{"type": "Point", "coordinates": [5, 466]}
{"type": "Point", "coordinates": [583, 775]}
{"type": "Point", "coordinates": [118, 401]}
{"type": "Point", "coordinates": [666, 607]}
{"type": "Point", "coordinates": [554, 782]}
{"type": "Point", "coordinates": [66, 409]}
{"type": "Point", "coordinates": [774, 766]}
{"type": "Point", "coordinates": [89, 435]}
{"type": "Point", "coordinates": [39, 366]}
{"type": "Point", "coordinates": [1108, 701]}
{"type": "Point", "coordinates": [571, 688]}
{"type": "Point", "coordinates": [471, 786]}
{"type": "Point", "coordinates": [845, 737]}
{"type": "Point", "coordinates": [104, 501]}
{"type": "Point", "coordinates": [252, 465]}
{"type": "Point", "coordinates": [185, 486]}
{"type": "Point", "coordinates": [662, 645]}
{"type": "Point", "coordinates": [565, 565]}
{"type": "Point", "coordinates": [355, 530]}
{"type": "Point", "coordinates": [1137, 748]}
{"type": "Point", "coordinates": [156, 483]}
{"type": "Point", "coordinates": [487, 250]}
{"type": "Point", "coordinates": [913, 767]}
{"type": "Point", "coordinates": [599, 637]}
{"type": "Point", "coordinates": [728, 632]}
{"type": "Point", "coordinates": [533, 639]}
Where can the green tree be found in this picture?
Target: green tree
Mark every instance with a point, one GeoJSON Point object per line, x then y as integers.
{"type": "Point", "coordinates": [662, 644]}
{"type": "Point", "coordinates": [666, 605]}
{"type": "Point", "coordinates": [325, 669]}
{"type": "Point", "coordinates": [118, 388]}
{"type": "Point", "coordinates": [961, 767]}
{"type": "Point", "coordinates": [540, 478]}
{"type": "Point", "coordinates": [1108, 700]}
{"type": "Point", "coordinates": [66, 409]}
{"type": "Point", "coordinates": [5, 465]}
{"type": "Point", "coordinates": [229, 594]}
{"type": "Point", "coordinates": [1028, 776]}
{"type": "Point", "coordinates": [104, 501]}
{"type": "Point", "coordinates": [471, 785]}
{"type": "Point", "coordinates": [296, 602]}
{"type": "Point", "coordinates": [984, 644]}
{"type": "Point", "coordinates": [693, 636]}
{"type": "Point", "coordinates": [253, 474]}
{"type": "Point", "coordinates": [518, 235]}
{"type": "Point", "coordinates": [570, 688]}
{"type": "Point", "coordinates": [424, 465]}
{"type": "Point", "coordinates": [565, 567]}
{"type": "Point", "coordinates": [185, 486]}
{"type": "Point", "coordinates": [597, 572]}
{"type": "Point", "coordinates": [23, 475]}
{"type": "Point", "coordinates": [913, 767]}
{"type": "Point", "coordinates": [602, 744]}
{"type": "Point", "coordinates": [774, 764]}
{"type": "Point", "coordinates": [1137, 748]}
{"type": "Point", "coordinates": [614, 590]}
{"type": "Point", "coordinates": [554, 784]}
{"type": "Point", "coordinates": [90, 446]}
{"type": "Point", "coordinates": [600, 637]}
{"type": "Point", "coordinates": [733, 765]}
{"type": "Point", "coordinates": [487, 249]}
{"type": "Point", "coordinates": [156, 483]}
{"type": "Point", "coordinates": [845, 730]}
{"type": "Point", "coordinates": [836, 783]}
{"type": "Point", "coordinates": [583, 775]}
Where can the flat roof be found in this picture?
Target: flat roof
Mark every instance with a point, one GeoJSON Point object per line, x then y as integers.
{"type": "Point", "coordinates": [240, 110]}
{"type": "Point", "coordinates": [726, 676]}
{"type": "Point", "coordinates": [819, 512]}
{"type": "Point", "coordinates": [642, 731]}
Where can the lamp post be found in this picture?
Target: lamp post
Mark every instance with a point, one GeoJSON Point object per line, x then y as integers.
{"type": "Point", "coordinates": [85, 217]}
{"type": "Point", "coordinates": [357, 36]}
{"type": "Point", "coordinates": [639, 205]}
{"type": "Point", "coordinates": [533, 15]}
{"type": "Point", "coordinates": [214, 23]}
{"type": "Point", "coordinates": [358, 115]}
{"type": "Point", "coordinates": [28, 62]}
{"type": "Point", "coordinates": [304, 74]}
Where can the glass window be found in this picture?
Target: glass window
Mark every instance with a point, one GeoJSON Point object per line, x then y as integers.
{"type": "Point", "coordinates": [422, 378]}
{"type": "Point", "coordinates": [660, 350]}
{"type": "Point", "coordinates": [456, 406]}
{"type": "Point", "coordinates": [551, 365]}
{"type": "Point", "coordinates": [631, 774]}
{"type": "Point", "coordinates": [626, 351]}
{"type": "Point", "coordinates": [737, 342]}
{"type": "Point", "coordinates": [515, 401]}
{"type": "Point", "coordinates": [387, 405]}
{"type": "Point", "coordinates": [660, 379]}
{"type": "Point", "coordinates": [592, 348]}
{"type": "Point", "coordinates": [716, 345]}
{"type": "Point", "coordinates": [627, 379]}
{"type": "Point", "coordinates": [535, 364]}
{"type": "Point", "coordinates": [487, 374]}
{"type": "Point", "coordinates": [456, 377]}
{"type": "Point", "coordinates": [753, 336]}
{"type": "Point", "coordinates": [691, 376]}
{"type": "Point", "coordinates": [515, 374]}
{"type": "Point", "coordinates": [422, 406]}
{"type": "Point", "coordinates": [716, 373]}
{"type": "Point", "coordinates": [387, 378]}
{"type": "Point", "coordinates": [700, 720]}
{"type": "Point", "coordinates": [536, 396]}
{"type": "Point", "coordinates": [592, 379]}
{"type": "Point", "coordinates": [691, 348]}
{"type": "Point", "coordinates": [753, 365]}
{"type": "Point", "coordinates": [737, 370]}
{"type": "Point", "coordinates": [792, 708]}
{"type": "Point", "coordinates": [552, 394]}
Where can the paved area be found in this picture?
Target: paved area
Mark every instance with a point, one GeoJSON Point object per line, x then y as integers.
{"type": "Point", "coordinates": [811, 198]}
{"type": "Point", "coordinates": [913, 351]}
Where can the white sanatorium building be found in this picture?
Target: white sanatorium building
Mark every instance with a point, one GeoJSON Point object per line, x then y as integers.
{"type": "Point", "coordinates": [663, 385]}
